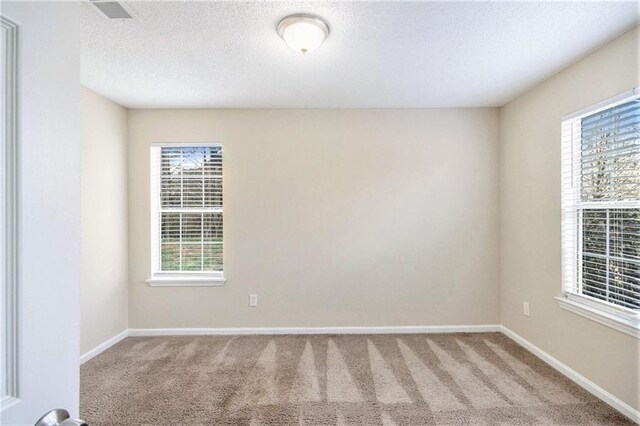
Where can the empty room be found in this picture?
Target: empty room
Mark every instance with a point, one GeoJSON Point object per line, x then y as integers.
{"type": "Point", "coordinates": [320, 213]}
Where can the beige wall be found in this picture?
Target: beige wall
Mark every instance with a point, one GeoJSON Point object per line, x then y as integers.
{"type": "Point", "coordinates": [368, 217]}
{"type": "Point", "coordinates": [104, 257]}
{"type": "Point", "coordinates": [530, 220]}
{"type": "Point", "coordinates": [334, 218]}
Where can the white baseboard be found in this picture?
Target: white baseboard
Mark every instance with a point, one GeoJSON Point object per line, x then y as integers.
{"type": "Point", "coordinates": [285, 330]}
{"type": "Point", "coordinates": [314, 330]}
{"type": "Point", "coordinates": [576, 377]}
{"type": "Point", "coordinates": [103, 346]}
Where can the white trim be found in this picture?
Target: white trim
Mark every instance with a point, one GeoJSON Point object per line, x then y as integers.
{"type": "Point", "coordinates": [103, 346]}
{"type": "Point", "coordinates": [172, 144]}
{"type": "Point", "coordinates": [314, 330]}
{"type": "Point", "coordinates": [9, 389]}
{"type": "Point", "coordinates": [8, 401]}
{"type": "Point", "coordinates": [186, 282]}
{"type": "Point", "coordinates": [627, 324]}
{"type": "Point", "coordinates": [187, 279]}
{"type": "Point", "coordinates": [607, 103]}
{"type": "Point", "coordinates": [574, 376]}
{"type": "Point", "coordinates": [138, 332]}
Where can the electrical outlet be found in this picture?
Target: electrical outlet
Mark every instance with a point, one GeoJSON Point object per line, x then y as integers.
{"type": "Point", "coordinates": [253, 300]}
{"type": "Point", "coordinates": [525, 309]}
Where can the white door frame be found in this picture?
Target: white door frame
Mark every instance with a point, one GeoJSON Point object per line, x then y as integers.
{"type": "Point", "coordinates": [8, 204]}
{"type": "Point", "coordinates": [40, 151]}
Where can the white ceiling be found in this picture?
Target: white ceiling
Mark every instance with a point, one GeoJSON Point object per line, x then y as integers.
{"type": "Point", "coordinates": [378, 55]}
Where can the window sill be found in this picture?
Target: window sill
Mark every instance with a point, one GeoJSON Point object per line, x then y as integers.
{"type": "Point", "coordinates": [186, 281]}
{"type": "Point", "coordinates": [621, 321]}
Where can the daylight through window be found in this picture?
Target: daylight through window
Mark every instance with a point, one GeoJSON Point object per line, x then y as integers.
{"type": "Point", "coordinates": [601, 204]}
{"type": "Point", "coordinates": [187, 209]}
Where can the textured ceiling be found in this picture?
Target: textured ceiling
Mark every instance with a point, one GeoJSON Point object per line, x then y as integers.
{"type": "Point", "coordinates": [379, 54]}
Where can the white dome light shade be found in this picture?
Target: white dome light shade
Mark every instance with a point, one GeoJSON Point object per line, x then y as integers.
{"type": "Point", "coordinates": [303, 33]}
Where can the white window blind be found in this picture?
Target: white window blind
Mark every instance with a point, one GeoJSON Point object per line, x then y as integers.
{"type": "Point", "coordinates": [186, 198]}
{"type": "Point", "coordinates": [601, 204]}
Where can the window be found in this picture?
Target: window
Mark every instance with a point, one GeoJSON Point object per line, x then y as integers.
{"type": "Point", "coordinates": [186, 214]}
{"type": "Point", "coordinates": [601, 212]}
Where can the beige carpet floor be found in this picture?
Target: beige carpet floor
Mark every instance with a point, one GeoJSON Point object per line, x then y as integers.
{"type": "Point", "coordinates": [413, 379]}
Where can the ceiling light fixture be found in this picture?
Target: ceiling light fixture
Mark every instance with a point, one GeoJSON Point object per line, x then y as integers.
{"type": "Point", "coordinates": [302, 32]}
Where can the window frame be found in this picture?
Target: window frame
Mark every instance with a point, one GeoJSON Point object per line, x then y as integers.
{"type": "Point", "coordinates": [161, 278]}
{"type": "Point", "coordinates": [609, 314]}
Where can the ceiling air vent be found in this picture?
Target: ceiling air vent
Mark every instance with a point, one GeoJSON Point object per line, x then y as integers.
{"type": "Point", "coordinates": [112, 9]}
